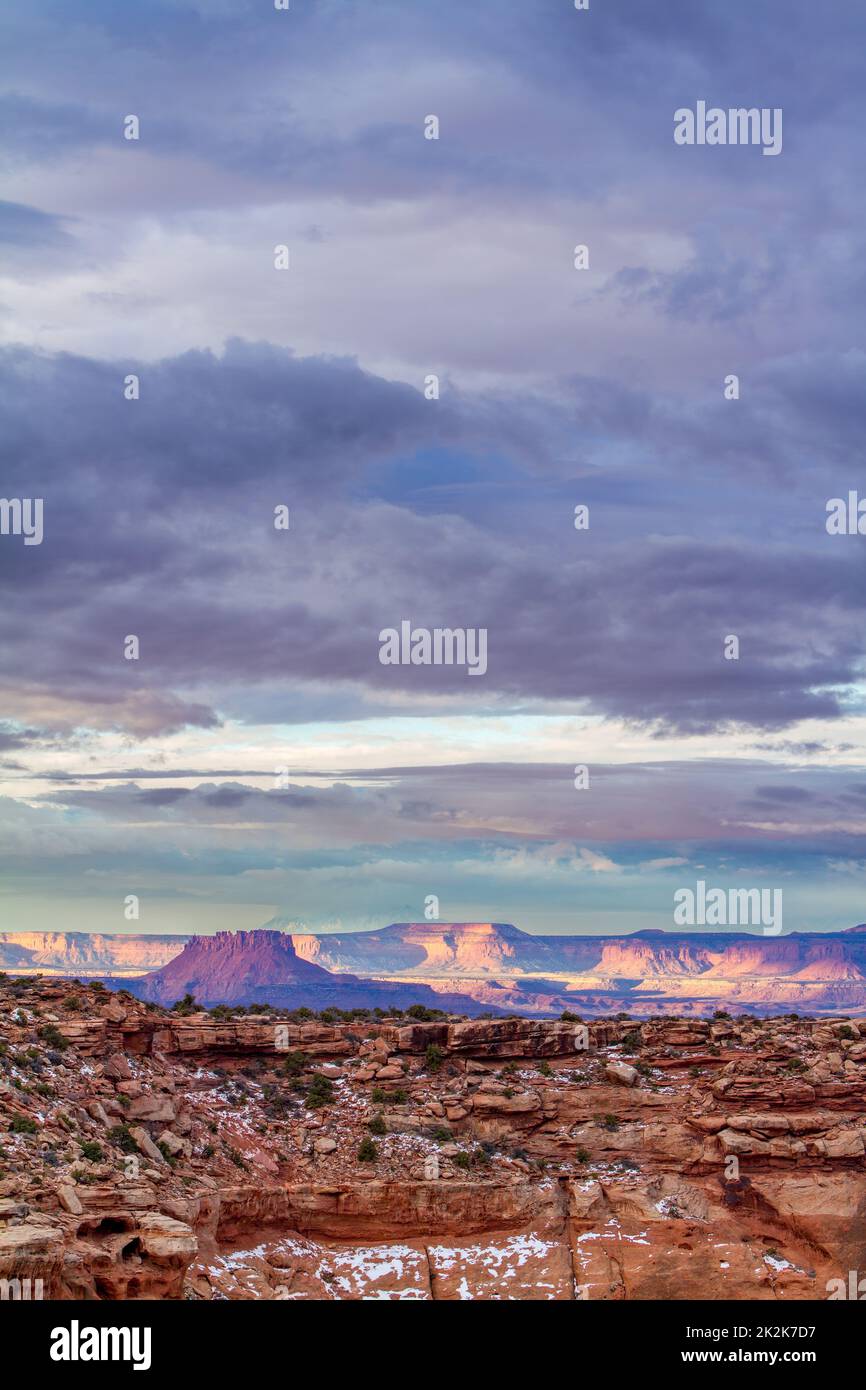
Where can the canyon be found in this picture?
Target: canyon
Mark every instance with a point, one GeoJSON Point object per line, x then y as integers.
{"type": "Point", "coordinates": [186, 1154]}
{"type": "Point", "coordinates": [477, 967]}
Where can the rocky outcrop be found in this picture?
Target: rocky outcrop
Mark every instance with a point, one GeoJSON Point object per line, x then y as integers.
{"type": "Point", "coordinates": [474, 967]}
{"type": "Point", "coordinates": [251, 967]}
{"type": "Point", "coordinates": [148, 1153]}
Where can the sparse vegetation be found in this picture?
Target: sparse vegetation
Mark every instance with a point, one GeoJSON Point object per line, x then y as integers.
{"type": "Point", "coordinates": [434, 1057]}
{"type": "Point", "coordinates": [22, 1124]}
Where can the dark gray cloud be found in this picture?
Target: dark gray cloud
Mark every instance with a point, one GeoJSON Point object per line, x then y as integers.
{"type": "Point", "coordinates": [159, 523]}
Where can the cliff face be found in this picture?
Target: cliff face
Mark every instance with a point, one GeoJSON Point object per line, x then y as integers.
{"type": "Point", "coordinates": [168, 1157]}
{"type": "Point", "coordinates": [430, 948]}
{"type": "Point", "coordinates": [264, 967]}
{"type": "Point", "coordinates": [647, 972]}
{"type": "Point", "coordinates": [473, 966]}
{"type": "Point", "coordinates": [87, 953]}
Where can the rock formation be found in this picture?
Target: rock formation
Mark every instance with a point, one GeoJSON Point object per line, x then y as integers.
{"type": "Point", "coordinates": [249, 967]}
{"type": "Point", "coordinates": [150, 1153]}
{"type": "Point", "coordinates": [492, 966]}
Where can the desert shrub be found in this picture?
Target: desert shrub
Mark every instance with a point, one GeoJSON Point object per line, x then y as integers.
{"type": "Point", "coordinates": [320, 1092]}
{"type": "Point", "coordinates": [377, 1124]}
{"type": "Point", "coordinates": [122, 1137]}
{"type": "Point", "coordinates": [433, 1057]}
{"type": "Point", "coordinates": [91, 1150]}
{"type": "Point", "coordinates": [423, 1014]}
{"type": "Point", "coordinates": [294, 1063]}
{"type": "Point", "coordinates": [367, 1151]}
{"type": "Point", "coordinates": [186, 1005]}
{"type": "Point", "coordinates": [48, 1033]}
{"type": "Point", "coordinates": [22, 1124]}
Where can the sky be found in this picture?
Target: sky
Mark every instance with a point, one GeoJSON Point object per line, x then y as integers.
{"type": "Point", "coordinates": [256, 758]}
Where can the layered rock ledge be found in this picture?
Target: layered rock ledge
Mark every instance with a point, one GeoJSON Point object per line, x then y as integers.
{"type": "Point", "coordinates": [146, 1153]}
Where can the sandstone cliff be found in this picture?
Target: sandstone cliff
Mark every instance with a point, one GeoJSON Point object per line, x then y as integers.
{"type": "Point", "coordinates": [151, 1154]}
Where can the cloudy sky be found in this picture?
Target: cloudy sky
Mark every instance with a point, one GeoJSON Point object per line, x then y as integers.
{"type": "Point", "coordinates": [257, 758]}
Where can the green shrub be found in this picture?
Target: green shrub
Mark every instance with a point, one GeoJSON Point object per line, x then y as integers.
{"type": "Point", "coordinates": [294, 1063]}
{"type": "Point", "coordinates": [22, 1124]}
{"type": "Point", "coordinates": [377, 1124]}
{"type": "Point", "coordinates": [91, 1150]}
{"type": "Point", "coordinates": [186, 1005]}
{"type": "Point", "coordinates": [434, 1057]}
{"type": "Point", "coordinates": [320, 1092]}
{"type": "Point", "coordinates": [122, 1137]}
{"type": "Point", "coordinates": [367, 1151]}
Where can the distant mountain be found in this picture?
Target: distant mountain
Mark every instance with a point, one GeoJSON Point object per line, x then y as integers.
{"type": "Point", "coordinates": [86, 953]}
{"type": "Point", "coordinates": [642, 972]}
{"type": "Point", "coordinates": [256, 967]}
{"type": "Point", "coordinates": [490, 966]}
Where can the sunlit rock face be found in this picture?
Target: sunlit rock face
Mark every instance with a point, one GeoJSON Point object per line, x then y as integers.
{"type": "Point", "coordinates": [153, 1153]}
{"type": "Point", "coordinates": [473, 967]}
